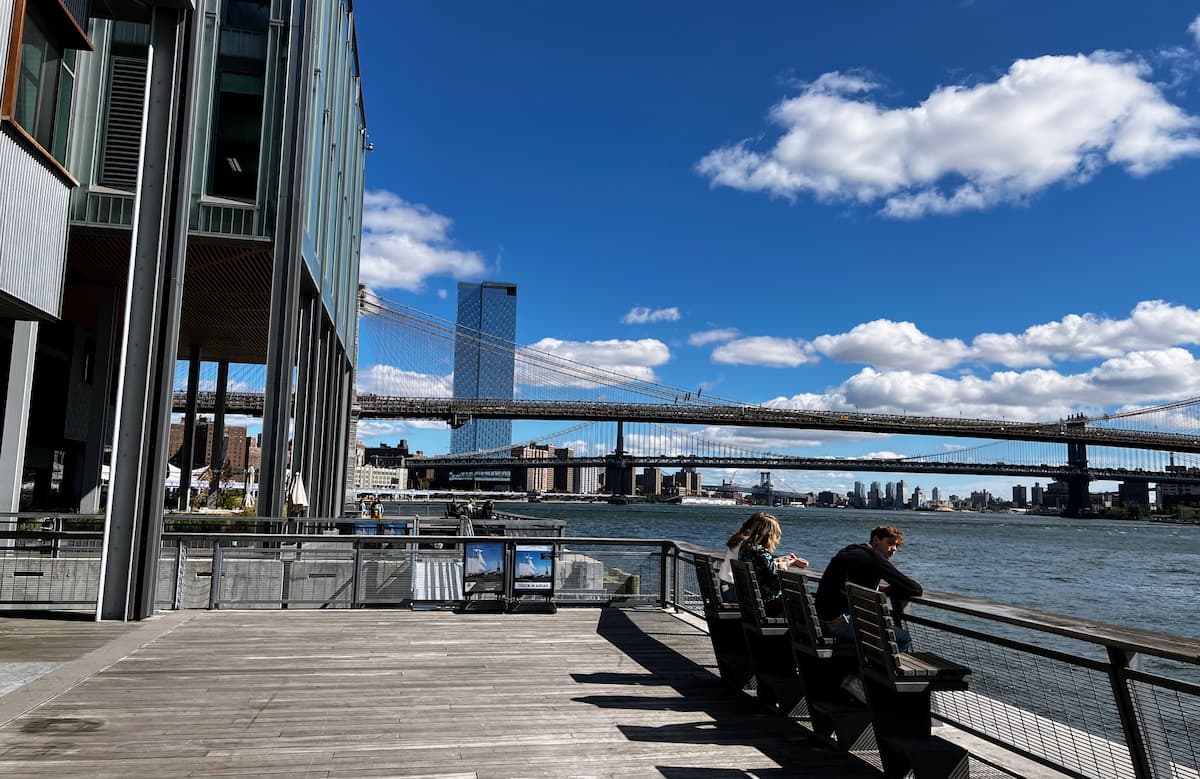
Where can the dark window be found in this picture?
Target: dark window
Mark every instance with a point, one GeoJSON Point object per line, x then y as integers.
{"type": "Point", "coordinates": [44, 80]}
{"type": "Point", "coordinates": [238, 104]}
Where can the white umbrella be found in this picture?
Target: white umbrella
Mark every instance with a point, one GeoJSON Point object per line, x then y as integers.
{"type": "Point", "coordinates": [296, 495]}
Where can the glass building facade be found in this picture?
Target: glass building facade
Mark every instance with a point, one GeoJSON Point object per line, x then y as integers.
{"type": "Point", "coordinates": [484, 364]}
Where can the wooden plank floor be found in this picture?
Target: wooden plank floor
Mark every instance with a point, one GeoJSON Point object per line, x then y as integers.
{"type": "Point", "coordinates": [585, 692]}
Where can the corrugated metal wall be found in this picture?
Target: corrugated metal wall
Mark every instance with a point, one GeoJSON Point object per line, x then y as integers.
{"type": "Point", "coordinates": [33, 230]}
{"type": "Point", "coordinates": [6, 12]}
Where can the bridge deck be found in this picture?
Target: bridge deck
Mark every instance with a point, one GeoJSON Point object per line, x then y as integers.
{"type": "Point", "coordinates": [595, 692]}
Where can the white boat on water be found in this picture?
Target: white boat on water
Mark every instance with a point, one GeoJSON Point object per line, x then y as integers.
{"type": "Point", "coordinates": [703, 500]}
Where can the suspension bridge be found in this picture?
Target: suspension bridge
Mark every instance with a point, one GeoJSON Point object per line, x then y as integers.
{"type": "Point", "coordinates": [410, 354]}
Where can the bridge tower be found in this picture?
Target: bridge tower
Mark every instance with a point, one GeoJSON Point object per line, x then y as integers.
{"type": "Point", "coordinates": [1079, 499]}
{"type": "Point", "coordinates": [618, 477]}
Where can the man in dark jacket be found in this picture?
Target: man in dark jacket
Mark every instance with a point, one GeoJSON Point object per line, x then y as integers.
{"type": "Point", "coordinates": [864, 565]}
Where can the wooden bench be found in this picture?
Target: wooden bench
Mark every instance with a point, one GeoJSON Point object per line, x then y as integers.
{"type": "Point", "coordinates": [837, 718]}
{"type": "Point", "coordinates": [724, 627]}
{"type": "Point", "coordinates": [899, 686]}
{"type": "Point", "coordinates": [779, 685]}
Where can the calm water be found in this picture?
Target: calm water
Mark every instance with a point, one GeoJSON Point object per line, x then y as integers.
{"type": "Point", "coordinates": [1117, 572]}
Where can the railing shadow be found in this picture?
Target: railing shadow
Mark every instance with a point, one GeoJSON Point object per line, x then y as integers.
{"type": "Point", "coordinates": [730, 718]}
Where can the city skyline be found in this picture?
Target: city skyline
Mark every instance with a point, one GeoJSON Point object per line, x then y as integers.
{"type": "Point", "coordinates": [811, 209]}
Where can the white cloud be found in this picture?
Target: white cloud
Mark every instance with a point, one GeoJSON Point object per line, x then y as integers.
{"type": "Point", "coordinates": [640, 315]}
{"type": "Point", "coordinates": [1194, 29]}
{"type": "Point", "coordinates": [404, 244]}
{"type": "Point", "coordinates": [1037, 394]}
{"type": "Point", "coordinates": [884, 344]}
{"type": "Point", "coordinates": [889, 344]}
{"type": "Point", "coordinates": [635, 359]}
{"type": "Point", "coordinates": [390, 380]}
{"type": "Point", "coordinates": [713, 336]}
{"type": "Point", "coordinates": [1050, 120]}
{"type": "Point", "coordinates": [767, 351]}
{"type": "Point", "coordinates": [442, 294]}
{"type": "Point", "coordinates": [1153, 324]}
{"type": "Point", "coordinates": [884, 455]}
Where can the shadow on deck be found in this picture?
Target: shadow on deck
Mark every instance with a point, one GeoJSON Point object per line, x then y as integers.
{"type": "Point", "coordinates": [585, 692]}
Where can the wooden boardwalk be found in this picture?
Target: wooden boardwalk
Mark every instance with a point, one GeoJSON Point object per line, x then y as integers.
{"type": "Point", "coordinates": [371, 693]}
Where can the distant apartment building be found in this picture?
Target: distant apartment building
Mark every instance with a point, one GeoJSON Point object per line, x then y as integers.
{"type": "Point", "coordinates": [901, 495]}
{"type": "Point", "coordinates": [935, 497]}
{"type": "Point", "coordinates": [586, 481]}
{"type": "Point", "coordinates": [533, 479]}
{"type": "Point", "coordinates": [874, 499]}
{"type": "Point", "coordinates": [652, 481]}
{"type": "Point", "coordinates": [241, 451]}
{"type": "Point", "coordinates": [1035, 494]}
{"type": "Point", "coordinates": [917, 500]}
{"type": "Point", "coordinates": [1020, 498]}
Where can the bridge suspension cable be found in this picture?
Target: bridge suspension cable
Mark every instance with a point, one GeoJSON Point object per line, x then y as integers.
{"type": "Point", "coordinates": [536, 369]}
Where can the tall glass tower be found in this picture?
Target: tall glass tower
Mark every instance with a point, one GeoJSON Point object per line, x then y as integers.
{"type": "Point", "coordinates": [484, 365]}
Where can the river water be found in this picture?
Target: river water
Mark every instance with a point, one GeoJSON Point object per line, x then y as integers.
{"type": "Point", "coordinates": [1124, 573]}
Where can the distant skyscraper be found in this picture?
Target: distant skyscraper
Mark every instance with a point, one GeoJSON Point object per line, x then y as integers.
{"type": "Point", "coordinates": [484, 364]}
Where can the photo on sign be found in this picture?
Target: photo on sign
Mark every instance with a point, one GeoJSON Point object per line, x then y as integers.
{"type": "Point", "coordinates": [483, 567]}
{"type": "Point", "coordinates": [534, 569]}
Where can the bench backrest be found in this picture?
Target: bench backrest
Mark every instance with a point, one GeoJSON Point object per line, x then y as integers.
{"type": "Point", "coordinates": [872, 620]}
{"type": "Point", "coordinates": [750, 600]}
{"type": "Point", "coordinates": [801, 610]}
{"type": "Point", "coordinates": [710, 586]}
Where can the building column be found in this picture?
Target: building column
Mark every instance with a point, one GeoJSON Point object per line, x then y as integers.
{"type": "Point", "coordinates": [341, 438]}
{"type": "Point", "coordinates": [153, 302]}
{"type": "Point", "coordinates": [285, 278]}
{"type": "Point", "coordinates": [216, 460]}
{"type": "Point", "coordinates": [187, 450]}
{"type": "Point", "coordinates": [99, 413]}
{"type": "Point", "coordinates": [305, 413]}
{"type": "Point", "coordinates": [16, 414]}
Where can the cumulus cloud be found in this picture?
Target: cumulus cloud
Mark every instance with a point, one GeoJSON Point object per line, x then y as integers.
{"type": "Point", "coordinates": [767, 351]}
{"type": "Point", "coordinates": [390, 380]}
{"type": "Point", "coordinates": [1036, 394]}
{"type": "Point", "coordinates": [1050, 120]}
{"type": "Point", "coordinates": [641, 315]}
{"type": "Point", "coordinates": [404, 244]}
{"type": "Point", "coordinates": [636, 359]}
{"type": "Point", "coordinates": [1153, 324]}
{"type": "Point", "coordinates": [1194, 29]}
{"type": "Point", "coordinates": [713, 336]}
{"type": "Point", "coordinates": [889, 344]}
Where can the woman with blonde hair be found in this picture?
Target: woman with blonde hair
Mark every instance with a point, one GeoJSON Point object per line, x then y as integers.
{"type": "Point", "coordinates": [755, 544]}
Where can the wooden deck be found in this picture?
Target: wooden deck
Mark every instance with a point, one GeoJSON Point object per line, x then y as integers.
{"type": "Point", "coordinates": [584, 692]}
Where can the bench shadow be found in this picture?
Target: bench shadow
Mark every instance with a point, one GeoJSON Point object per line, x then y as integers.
{"type": "Point", "coordinates": [731, 718]}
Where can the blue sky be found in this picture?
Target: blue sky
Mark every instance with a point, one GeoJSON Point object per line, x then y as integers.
{"type": "Point", "coordinates": [981, 208]}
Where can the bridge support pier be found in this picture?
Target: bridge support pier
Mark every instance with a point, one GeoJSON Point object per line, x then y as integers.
{"type": "Point", "coordinates": [1079, 500]}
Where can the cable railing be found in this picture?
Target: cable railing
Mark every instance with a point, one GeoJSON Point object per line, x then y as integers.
{"type": "Point", "coordinates": [1090, 700]}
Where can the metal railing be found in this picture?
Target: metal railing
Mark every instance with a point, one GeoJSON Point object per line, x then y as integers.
{"type": "Point", "coordinates": [1092, 701]}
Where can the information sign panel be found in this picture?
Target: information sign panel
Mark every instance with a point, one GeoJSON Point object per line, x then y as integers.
{"type": "Point", "coordinates": [534, 569]}
{"type": "Point", "coordinates": [483, 567]}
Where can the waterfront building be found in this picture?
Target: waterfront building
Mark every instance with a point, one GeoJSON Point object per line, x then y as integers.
{"type": "Point", "coordinates": [1020, 498]}
{"type": "Point", "coordinates": [564, 475]}
{"type": "Point", "coordinates": [889, 499]}
{"type": "Point", "coordinates": [177, 247]}
{"type": "Point", "coordinates": [1035, 495]}
{"type": "Point", "coordinates": [484, 365]}
{"type": "Point", "coordinates": [936, 497]}
{"type": "Point", "coordinates": [376, 477]}
{"type": "Point", "coordinates": [240, 451]}
{"type": "Point", "coordinates": [917, 500]}
{"type": "Point", "coordinates": [860, 495]}
{"type": "Point", "coordinates": [901, 500]}
{"type": "Point", "coordinates": [873, 496]}
{"type": "Point", "coordinates": [652, 481]}
{"type": "Point", "coordinates": [533, 479]}
{"type": "Point", "coordinates": [586, 481]}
